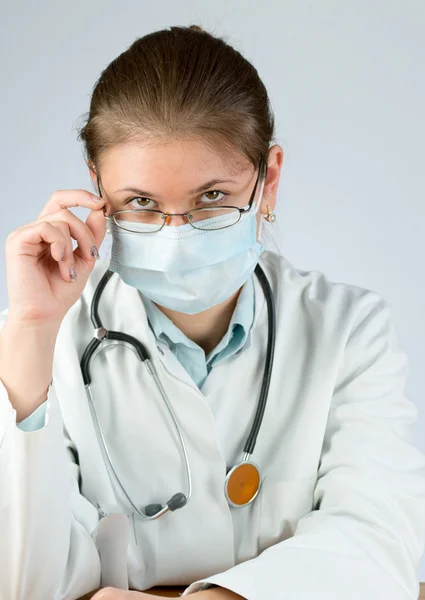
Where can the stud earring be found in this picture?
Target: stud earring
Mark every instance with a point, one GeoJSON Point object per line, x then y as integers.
{"type": "Point", "coordinates": [271, 216]}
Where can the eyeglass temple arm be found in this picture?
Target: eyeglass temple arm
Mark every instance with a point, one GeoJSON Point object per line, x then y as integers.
{"type": "Point", "coordinates": [99, 190]}
{"type": "Point", "coordinates": [251, 201]}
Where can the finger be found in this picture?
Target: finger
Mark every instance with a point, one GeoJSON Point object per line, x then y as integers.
{"type": "Point", "coordinates": [66, 262]}
{"type": "Point", "coordinates": [87, 247]}
{"type": "Point", "coordinates": [71, 198]}
{"type": "Point", "coordinates": [27, 240]}
{"type": "Point", "coordinates": [30, 242]}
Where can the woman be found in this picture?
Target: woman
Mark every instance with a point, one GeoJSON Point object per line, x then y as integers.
{"type": "Point", "coordinates": [178, 143]}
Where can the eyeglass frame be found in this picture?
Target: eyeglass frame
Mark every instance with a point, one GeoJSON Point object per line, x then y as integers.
{"type": "Point", "coordinates": [243, 210]}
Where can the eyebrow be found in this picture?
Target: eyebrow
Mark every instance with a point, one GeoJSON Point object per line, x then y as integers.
{"type": "Point", "coordinates": [201, 188]}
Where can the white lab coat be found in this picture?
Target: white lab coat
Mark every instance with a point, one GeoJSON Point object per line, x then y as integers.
{"type": "Point", "coordinates": [341, 512]}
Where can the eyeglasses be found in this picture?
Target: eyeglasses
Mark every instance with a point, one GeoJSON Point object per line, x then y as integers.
{"type": "Point", "coordinates": [206, 219]}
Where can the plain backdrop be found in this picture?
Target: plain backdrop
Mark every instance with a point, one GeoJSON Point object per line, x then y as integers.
{"type": "Point", "coordinates": [347, 85]}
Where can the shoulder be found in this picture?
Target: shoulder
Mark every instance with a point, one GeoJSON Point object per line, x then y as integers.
{"type": "Point", "coordinates": [313, 293]}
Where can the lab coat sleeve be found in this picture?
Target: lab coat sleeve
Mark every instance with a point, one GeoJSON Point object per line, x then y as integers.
{"type": "Point", "coordinates": [46, 548]}
{"type": "Point", "coordinates": [366, 535]}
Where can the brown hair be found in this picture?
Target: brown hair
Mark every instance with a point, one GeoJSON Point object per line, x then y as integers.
{"type": "Point", "coordinates": [180, 83]}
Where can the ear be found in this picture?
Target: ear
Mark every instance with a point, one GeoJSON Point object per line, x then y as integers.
{"type": "Point", "coordinates": [274, 165]}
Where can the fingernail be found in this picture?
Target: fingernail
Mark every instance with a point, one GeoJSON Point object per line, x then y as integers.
{"type": "Point", "coordinates": [97, 198]}
{"type": "Point", "coordinates": [95, 252]}
{"type": "Point", "coordinates": [72, 273]}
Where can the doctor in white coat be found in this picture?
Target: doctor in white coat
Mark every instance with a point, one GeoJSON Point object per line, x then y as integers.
{"type": "Point", "coordinates": [178, 143]}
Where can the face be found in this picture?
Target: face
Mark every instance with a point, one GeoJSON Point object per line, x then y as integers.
{"type": "Point", "coordinates": [178, 176]}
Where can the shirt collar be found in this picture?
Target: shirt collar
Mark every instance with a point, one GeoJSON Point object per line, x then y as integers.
{"type": "Point", "coordinates": [242, 317]}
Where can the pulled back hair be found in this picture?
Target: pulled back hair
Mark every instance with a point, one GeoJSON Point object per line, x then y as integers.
{"type": "Point", "coordinates": [181, 83]}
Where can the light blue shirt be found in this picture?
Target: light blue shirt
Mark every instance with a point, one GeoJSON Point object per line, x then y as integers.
{"type": "Point", "coordinates": [190, 355]}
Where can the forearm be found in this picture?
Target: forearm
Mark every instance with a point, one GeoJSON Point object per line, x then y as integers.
{"type": "Point", "coordinates": [26, 359]}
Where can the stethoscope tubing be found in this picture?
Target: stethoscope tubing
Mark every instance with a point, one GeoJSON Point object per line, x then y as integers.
{"type": "Point", "coordinates": [93, 349]}
{"type": "Point", "coordinates": [271, 342]}
{"type": "Point", "coordinates": [101, 437]}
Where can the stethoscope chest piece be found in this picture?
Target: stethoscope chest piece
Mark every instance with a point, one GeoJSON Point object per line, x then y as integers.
{"type": "Point", "coordinates": [242, 484]}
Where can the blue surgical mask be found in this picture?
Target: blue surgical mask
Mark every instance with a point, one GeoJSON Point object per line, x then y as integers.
{"type": "Point", "coordinates": [186, 269]}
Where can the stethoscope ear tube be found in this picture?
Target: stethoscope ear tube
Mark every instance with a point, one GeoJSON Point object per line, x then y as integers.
{"type": "Point", "coordinates": [85, 360]}
{"type": "Point", "coordinates": [97, 324]}
{"type": "Point", "coordinates": [271, 341]}
{"type": "Point", "coordinates": [101, 333]}
{"type": "Point", "coordinates": [94, 310]}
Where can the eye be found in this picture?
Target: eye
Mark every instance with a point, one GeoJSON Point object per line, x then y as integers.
{"type": "Point", "coordinates": [140, 203]}
{"type": "Point", "coordinates": [215, 200]}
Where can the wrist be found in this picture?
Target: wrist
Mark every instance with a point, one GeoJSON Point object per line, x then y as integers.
{"type": "Point", "coordinates": [14, 324]}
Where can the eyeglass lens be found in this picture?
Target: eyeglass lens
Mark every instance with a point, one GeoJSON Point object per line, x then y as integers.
{"type": "Point", "coordinates": [150, 220]}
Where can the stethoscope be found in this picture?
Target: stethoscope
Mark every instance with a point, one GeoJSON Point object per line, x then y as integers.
{"type": "Point", "coordinates": [243, 480]}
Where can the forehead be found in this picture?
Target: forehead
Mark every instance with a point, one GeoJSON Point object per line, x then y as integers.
{"type": "Point", "coordinates": [184, 160]}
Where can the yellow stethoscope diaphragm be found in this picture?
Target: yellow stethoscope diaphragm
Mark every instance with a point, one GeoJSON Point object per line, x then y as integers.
{"type": "Point", "coordinates": [242, 484]}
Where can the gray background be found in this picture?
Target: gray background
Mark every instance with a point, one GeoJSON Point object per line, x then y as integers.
{"type": "Point", "coordinates": [346, 80]}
